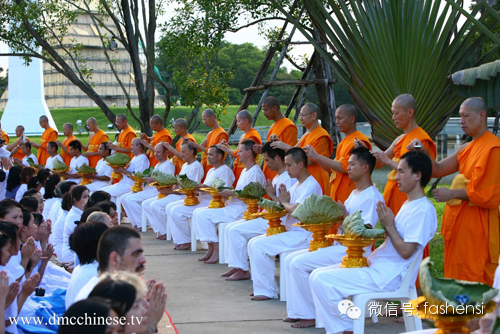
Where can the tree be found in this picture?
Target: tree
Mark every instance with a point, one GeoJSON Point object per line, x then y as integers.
{"type": "Point", "coordinates": [40, 29]}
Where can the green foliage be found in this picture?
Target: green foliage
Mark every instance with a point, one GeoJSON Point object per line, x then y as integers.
{"type": "Point", "coordinates": [318, 210]}
{"type": "Point", "coordinates": [118, 159]}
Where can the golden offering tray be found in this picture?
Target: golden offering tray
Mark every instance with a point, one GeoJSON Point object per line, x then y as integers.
{"type": "Point", "coordinates": [116, 175]}
{"type": "Point", "coordinates": [319, 232]}
{"type": "Point", "coordinates": [355, 251]}
{"type": "Point", "coordinates": [61, 171]}
{"type": "Point", "coordinates": [190, 199]}
{"type": "Point", "coordinates": [216, 202]}
{"type": "Point", "coordinates": [252, 207]}
{"type": "Point", "coordinates": [85, 181]}
{"type": "Point", "coordinates": [444, 322]}
{"type": "Point", "coordinates": [274, 221]}
{"type": "Point", "coordinates": [159, 186]}
{"type": "Point", "coordinates": [138, 182]}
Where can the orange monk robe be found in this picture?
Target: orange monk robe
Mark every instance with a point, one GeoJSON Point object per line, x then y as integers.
{"type": "Point", "coordinates": [177, 161]}
{"type": "Point", "coordinates": [19, 154]}
{"type": "Point", "coordinates": [287, 133]}
{"type": "Point", "coordinates": [161, 136]}
{"type": "Point", "coordinates": [471, 229]}
{"type": "Point", "coordinates": [214, 137]}
{"type": "Point", "coordinates": [97, 139]}
{"type": "Point", "coordinates": [48, 135]}
{"type": "Point", "coordinates": [239, 166]}
{"type": "Point", "coordinates": [323, 145]}
{"type": "Point", "coordinates": [125, 139]}
{"type": "Point", "coordinates": [66, 157]}
{"type": "Point", "coordinates": [341, 184]}
{"type": "Point", "coordinates": [393, 197]}
{"type": "Point", "coordinates": [5, 137]}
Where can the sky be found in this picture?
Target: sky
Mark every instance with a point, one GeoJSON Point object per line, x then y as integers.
{"type": "Point", "coordinates": [248, 35]}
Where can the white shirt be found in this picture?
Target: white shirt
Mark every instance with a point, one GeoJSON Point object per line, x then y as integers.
{"type": "Point", "coordinates": [3, 186]}
{"type": "Point", "coordinates": [32, 156]}
{"type": "Point", "coordinates": [20, 192]}
{"type": "Point", "coordinates": [285, 179]}
{"type": "Point", "coordinates": [102, 169]}
{"type": "Point", "coordinates": [57, 232]}
{"type": "Point", "coordinates": [254, 174]}
{"type": "Point", "coordinates": [194, 171]}
{"type": "Point", "coordinates": [87, 289]}
{"type": "Point", "coordinates": [298, 193]}
{"type": "Point", "coordinates": [415, 222]}
{"type": "Point", "coordinates": [223, 173]}
{"type": "Point", "coordinates": [50, 161]}
{"type": "Point", "coordinates": [77, 162]}
{"type": "Point", "coordinates": [48, 206]}
{"type": "Point", "coordinates": [165, 167]}
{"type": "Point", "coordinates": [80, 276]}
{"type": "Point", "coordinates": [139, 163]}
{"type": "Point", "coordinates": [69, 226]}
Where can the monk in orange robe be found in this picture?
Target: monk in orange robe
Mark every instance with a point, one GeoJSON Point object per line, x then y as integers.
{"type": "Point", "coordinates": [49, 134]}
{"type": "Point", "coordinates": [4, 135]}
{"type": "Point", "coordinates": [68, 132]}
{"type": "Point", "coordinates": [318, 138]}
{"type": "Point", "coordinates": [471, 218]}
{"type": "Point", "coordinates": [161, 135]}
{"type": "Point", "coordinates": [283, 129]}
{"type": "Point", "coordinates": [244, 123]}
{"type": "Point", "coordinates": [214, 137]}
{"type": "Point", "coordinates": [127, 134]}
{"type": "Point", "coordinates": [341, 185]}
{"type": "Point", "coordinates": [17, 154]}
{"type": "Point", "coordinates": [96, 138]}
{"type": "Point", "coordinates": [180, 128]}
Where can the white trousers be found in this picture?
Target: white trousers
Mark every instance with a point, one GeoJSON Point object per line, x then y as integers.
{"type": "Point", "coordinates": [330, 285]}
{"type": "Point", "coordinates": [205, 219]}
{"type": "Point", "coordinates": [97, 185]}
{"type": "Point", "coordinates": [237, 236]}
{"type": "Point", "coordinates": [155, 211]}
{"type": "Point", "coordinates": [178, 215]}
{"type": "Point", "coordinates": [118, 189]}
{"type": "Point", "coordinates": [262, 251]}
{"type": "Point", "coordinates": [298, 267]}
{"type": "Point", "coordinates": [132, 203]}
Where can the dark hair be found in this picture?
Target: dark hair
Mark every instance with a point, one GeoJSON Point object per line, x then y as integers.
{"type": "Point", "coordinates": [298, 155]}
{"type": "Point", "coordinates": [193, 149]}
{"type": "Point", "coordinates": [114, 239]}
{"type": "Point", "coordinates": [97, 309]}
{"type": "Point", "coordinates": [217, 150]}
{"type": "Point", "coordinates": [27, 173]}
{"type": "Point", "coordinates": [76, 193]}
{"type": "Point", "coordinates": [96, 197]}
{"type": "Point", "coordinates": [121, 294]}
{"type": "Point", "coordinates": [106, 147]}
{"type": "Point", "coordinates": [38, 218]}
{"type": "Point", "coordinates": [84, 241]}
{"type": "Point", "coordinates": [29, 203]}
{"type": "Point", "coordinates": [27, 145]}
{"type": "Point", "coordinates": [249, 144]}
{"type": "Point", "coordinates": [363, 154]}
{"type": "Point", "coordinates": [33, 182]}
{"type": "Point", "coordinates": [66, 203]}
{"type": "Point", "coordinates": [8, 232]}
{"type": "Point", "coordinates": [30, 193]}
{"type": "Point", "coordinates": [86, 213]}
{"type": "Point", "coordinates": [27, 216]}
{"type": "Point", "coordinates": [271, 101]}
{"type": "Point", "coordinates": [106, 207]}
{"type": "Point", "coordinates": [76, 145]}
{"type": "Point", "coordinates": [53, 144]}
{"type": "Point", "coordinates": [63, 188]}
{"type": "Point", "coordinates": [419, 162]}
{"type": "Point", "coordinates": [273, 152]}
{"type": "Point", "coordinates": [6, 205]}
{"type": "Point", "coordinates": [43, 175]}
{"type": "Point", "coordinates": [14, 178]}
{"type": "Point", "coordinates": [50, 186]}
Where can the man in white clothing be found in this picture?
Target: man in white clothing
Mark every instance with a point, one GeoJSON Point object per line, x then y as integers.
{"type": "Point", "coordinates": [407, 235]}
{"type": "Point", "coordinates": [239, 232]}
{"type": "Point", "coordinates": [53, 154]}
{"type": "Point", "coordinates": [139, 163]}
{"type": "Point", "coordinates": [205, 219]}
{"type": "Point", "coordinates": [26, 149]}
{"type": "Point", "coordinates": [102, 177]}
{"type": "Point", "coordinates": [75, 150]}
{"type": "Point", "coordinates": [132, 201]}
{"type": "Point", "coordinates": [299, 265]}
{"type": "Point", "coordinates": [262, 249]}
{"type": "Point", "coordinates": [155, 208]}
{"type": "Point", "coordinates": [178, 213]}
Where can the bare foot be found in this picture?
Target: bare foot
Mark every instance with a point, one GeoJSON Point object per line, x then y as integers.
{"type": "Point", "coordinates": [290, 320]}
{"type": "Point", "coordinates": [213, 259]}
{"type": "Point", "coordinates": [207, 256]}
{"type": "Point", "coordinates": [260, 298]}
{"type": "Point", "coordinates": [229, 273]}
{"type": "Point", "coordinates": [240, 275]}
{"type": "Point", "coordinates": [251, 295]}
{"type": "Point", "coordinates": [304, 323]}
{"type": "Point", "coordinates": [184, 246]}
{"type": "Point", "coordinates": [162, 237]}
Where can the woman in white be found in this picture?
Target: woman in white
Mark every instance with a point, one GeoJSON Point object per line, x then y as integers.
{"type": "Point", "coordinates": [79, 196]}
{"type": "Point", "coordinates": [50, 194]}
{"type": "Point", "coordinates": [58, 214]}
{"type": "Point", "coordinates": [26, 174]}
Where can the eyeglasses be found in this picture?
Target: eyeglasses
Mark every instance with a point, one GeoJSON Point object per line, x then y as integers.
{"type": "Point", "coordinates": [304, 115]}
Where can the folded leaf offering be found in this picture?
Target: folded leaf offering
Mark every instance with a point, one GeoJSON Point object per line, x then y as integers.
{"type": "Point", "coordinates": [318, 210]}
{"type": "Point", "coordinates": [271, 206]}
{"type": "Point", "coordinates": [85, 169]}
{"type": "Point", "coordinates": [59, 165]}
{"type": "Point", "coordinates": [164, 179]}
{"type": "Point", "coordinates": [32, 163]}
{"type": "Point", "coordinates": [186, 183]}
{"type": "Point", "coordinates": [146, 173]}
{"type": "Point", "coordinates": [118, 159]}
{"type": "Point", "coordinates": [253, 190]}
{"type": "Point", "coordinates": [355, 227]}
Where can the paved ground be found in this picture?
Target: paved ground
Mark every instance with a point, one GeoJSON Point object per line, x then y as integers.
{"type": "Point", "coordinates": [200, 301]}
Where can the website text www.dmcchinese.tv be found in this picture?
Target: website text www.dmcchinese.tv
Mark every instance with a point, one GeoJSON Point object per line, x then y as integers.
{"type": "Point", "coordinates": [86, 320]}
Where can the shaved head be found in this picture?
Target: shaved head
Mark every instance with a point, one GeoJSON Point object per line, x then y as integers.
{"type": "Point", "coordinates": [311, 107]}
{"type": "Point", "coordinates": [407, 101]}
{"type": "Point", "coordinates": [349, 110]}
{"type": "Point", "coordinates": [92, 120]}
{"type": "Point", "coordinates": [123, 117]}
{"type": "Point", "coordinates": [209, 113]}
{"type": "Point", "coordinates": [20, 128]}
{"type": "Point", "coordinates": [181, 122]}
{"type": "Point", "coordinates": [69, 125]}
{"type": "Point", "coordinates": [44, 118]}
{"type": "Point", "coordinates": [271, 101]}
{"type": "Point", "coordinates": [475, 104]}
{"type": "Point", "coordinates": [156, 119]}
{"type": "Point", "coordinates": [245, 114]}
